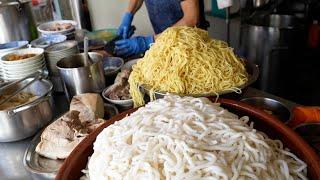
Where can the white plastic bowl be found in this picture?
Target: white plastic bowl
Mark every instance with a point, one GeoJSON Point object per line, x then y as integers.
{"type": "Point", "coordinates": [25, 70]}
{"type": "Point", "coordinates": [23, 65]}
{"type": "Point", "coordinates": [19, 76]}
{"type": "Point", "coordinates": [38, 51]}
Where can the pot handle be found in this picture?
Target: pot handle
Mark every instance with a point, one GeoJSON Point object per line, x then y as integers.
{"type": "Point", "coordinates": [19, 5]}
{"type": "Point", "coordinates": [22, 108]}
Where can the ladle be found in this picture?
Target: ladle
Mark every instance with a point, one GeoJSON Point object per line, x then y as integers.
{"type": "Point", "coordinates": [87, 59]}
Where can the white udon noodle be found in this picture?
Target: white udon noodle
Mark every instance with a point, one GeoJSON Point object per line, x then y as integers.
{"type": "Point", "coordinates": [189, 138]}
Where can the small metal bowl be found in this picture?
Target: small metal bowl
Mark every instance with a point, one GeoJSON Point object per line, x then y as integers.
{"type": "Point", "coordinates": [270, 106]}
{"type": "Point", "coordinates": [111, 67]}
{"type": "Point", "coordinates": [123, 104]}
{"type": "Point", "coordinates": [311, 133]}
{"type": "Point", "coordinates": [308, 129]}
{"type": "Point", "coordinates": [110, 111]}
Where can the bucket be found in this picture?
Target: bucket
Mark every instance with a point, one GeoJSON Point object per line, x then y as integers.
{"type": "Point", "coordinates": [78, 78]}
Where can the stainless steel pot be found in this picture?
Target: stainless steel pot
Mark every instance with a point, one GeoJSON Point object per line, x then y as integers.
{"type": "Point", "coordinates": [78, 78]}
{"type": "Point", "coordinates": [268, 41]}
{"type": "Point", "coordinates": [16, 21]}
{"type": "Point", "coordinates": [24, 121]}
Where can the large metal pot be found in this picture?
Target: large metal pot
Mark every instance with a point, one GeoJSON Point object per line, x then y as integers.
{"type": "Point", "coordinates": [78, 78]}
{"type": "Point", "coordinates": [16, 21]}
{"type": "Point", "coordinates": [268, 41]}
{"type": "Point", "coordinates": [24, 121]}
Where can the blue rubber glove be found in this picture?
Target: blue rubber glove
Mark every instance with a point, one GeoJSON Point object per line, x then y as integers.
{"type": "Point", "coordinates": [125, 26]}
{"type": "Point", "coordinates": [134, 46]}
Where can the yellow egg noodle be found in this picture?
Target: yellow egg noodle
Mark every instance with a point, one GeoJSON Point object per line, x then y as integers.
{"type": "Point", "coordinates": [189, 138]}
{"type": "Point", "coordinates": [185, 60]}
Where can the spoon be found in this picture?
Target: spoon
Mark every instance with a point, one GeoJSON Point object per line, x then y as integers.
{"type": "Point", "coordinates": [87, 59]}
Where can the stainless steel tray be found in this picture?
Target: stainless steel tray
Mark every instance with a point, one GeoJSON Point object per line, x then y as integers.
{"type": "Point", "coordinates": [44, 168]}
{"type": "Point", "coordinates": [40, 167]}
{"type": "Point", "coordinates": [251, 68]}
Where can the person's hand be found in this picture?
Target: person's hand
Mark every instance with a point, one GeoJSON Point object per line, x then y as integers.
{"type": "Point", "coordinates": [125, 29]}
{"type": "Point", "coordinates": [133, 46]}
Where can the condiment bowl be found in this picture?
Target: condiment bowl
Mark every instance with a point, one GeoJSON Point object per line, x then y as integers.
{"type": "Point", "coordinates": [270, 106]}
{"type": "Point", "coordinates": [111, 67]}
{"type": "Point", "coordinates": [125, 104]}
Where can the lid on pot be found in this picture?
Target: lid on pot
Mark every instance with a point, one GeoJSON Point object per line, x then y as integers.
{"type": "Point", "coordinates": [275, 21]}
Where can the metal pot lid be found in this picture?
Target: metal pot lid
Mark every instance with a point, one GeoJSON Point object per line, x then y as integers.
{"type": "Point", "coordinates": [275, 21]}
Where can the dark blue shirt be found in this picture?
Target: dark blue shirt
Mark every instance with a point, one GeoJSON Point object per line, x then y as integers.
{"type": "Point", "coordinates": [165, 13]}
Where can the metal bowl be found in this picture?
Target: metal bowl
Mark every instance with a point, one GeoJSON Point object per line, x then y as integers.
{"type": "Point", "coordinates": [311, 133]}
{"type": "Point", "coordinates": [25, 120]}
{"type": "Point", "coordinates": [111, 67]}
{"type": "Point", "coordinates": [110, 111]}
{"type": "Point", "coordinates": [124, 104]}
{"type": "Point", "coordinates": [270, 106]}
{"type": "Point", "coordinates": [251, 68]}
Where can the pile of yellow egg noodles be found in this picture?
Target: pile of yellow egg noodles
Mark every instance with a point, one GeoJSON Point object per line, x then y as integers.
{"type": "Point", "coordinates": [185, 60]}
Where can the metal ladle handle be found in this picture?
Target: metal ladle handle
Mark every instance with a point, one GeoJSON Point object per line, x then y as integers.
{"type": "Point", "coordinates": [87, 59]}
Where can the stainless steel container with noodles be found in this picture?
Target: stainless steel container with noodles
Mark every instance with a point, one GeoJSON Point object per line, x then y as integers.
{"type": "Point", "coordinates": [27, 119]}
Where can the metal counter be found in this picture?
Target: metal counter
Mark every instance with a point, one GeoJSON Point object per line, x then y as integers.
{"type": "Point", "coordinates": [11, 160]}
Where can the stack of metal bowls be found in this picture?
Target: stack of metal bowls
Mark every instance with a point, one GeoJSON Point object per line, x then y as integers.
{"type": "Point", "coordinates": [55, 53]}
{"type": "Point", "coordinates": [8, 47]}
{"type": "Point", "coordinates": [17, 69]}
{"type": "Point", "coordinates": [45, 29]}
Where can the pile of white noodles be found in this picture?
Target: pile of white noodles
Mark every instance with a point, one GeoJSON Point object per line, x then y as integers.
{"type": "Point", "coordinates": [189, 138]}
